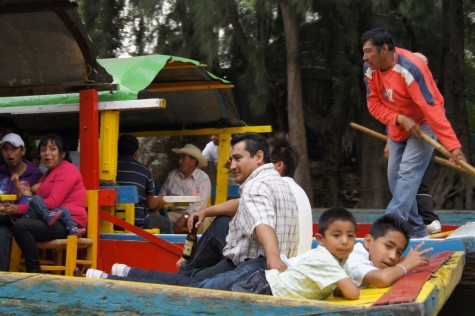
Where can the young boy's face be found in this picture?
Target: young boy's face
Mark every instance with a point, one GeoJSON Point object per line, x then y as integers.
{"type": "Point", "coordinates": [339, 238]}
{"type": "Point", "coordinates": [385, 251]}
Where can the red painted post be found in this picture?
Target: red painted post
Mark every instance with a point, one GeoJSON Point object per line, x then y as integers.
{"type": "Point", "coordinates": [89, 138]}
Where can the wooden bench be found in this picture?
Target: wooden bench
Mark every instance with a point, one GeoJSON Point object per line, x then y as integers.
{"type": "Point", "coordinates": [123, 207]}
{"type": "Point", "coordinates": [66, 250]}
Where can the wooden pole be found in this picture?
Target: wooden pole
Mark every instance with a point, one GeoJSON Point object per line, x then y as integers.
{"type": "Point", "coordinates": [436, 145]}
{"type": "Point", "coordinates": [469, 169]}
{"type": "Point", "coordinates": [89, 135]}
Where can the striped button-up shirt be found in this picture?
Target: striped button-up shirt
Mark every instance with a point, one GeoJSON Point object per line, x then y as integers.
{"type": "Point", "coordinates": [265, 199]}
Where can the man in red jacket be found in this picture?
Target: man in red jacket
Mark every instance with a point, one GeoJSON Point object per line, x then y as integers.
{"type": "Point", "coordinates": [402, 94]}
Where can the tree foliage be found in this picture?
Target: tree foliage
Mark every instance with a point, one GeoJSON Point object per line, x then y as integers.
{"type": "Point", "coordinates": [244, 41]}
{"type": "Point", "coordinates": [104, 22]}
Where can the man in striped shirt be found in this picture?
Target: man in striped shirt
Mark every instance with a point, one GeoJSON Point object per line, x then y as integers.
{"type": "Point", "coordinates": [132, 172]}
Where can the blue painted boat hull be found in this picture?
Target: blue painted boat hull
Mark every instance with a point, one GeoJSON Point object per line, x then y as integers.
{"type": "Point", "coordinates": [39, 294]}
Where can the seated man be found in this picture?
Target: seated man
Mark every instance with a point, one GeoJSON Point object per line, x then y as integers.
{"type": "Point", "coordinates": [285, 159]}
{"type": "Point", "coordinates": [263, 225]}
{"type": "Point", "coordinates": [211, 152]}
{"type": "Point", "coordinates": [188, 179]}
{"type": "Point", "coordinates": [132, 172]}
{"type": "Point", "coordinates": [211, 149]}
{"type": "Point", "coordinates": [13, 152]}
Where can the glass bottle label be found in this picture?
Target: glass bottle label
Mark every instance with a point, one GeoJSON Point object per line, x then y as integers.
{"type": "Point", "coordinates": [187, 248]}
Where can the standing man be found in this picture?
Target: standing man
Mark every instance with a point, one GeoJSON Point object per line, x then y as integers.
{"type": "Point", "coordinates": [425, 205]}
{"type": "Point", "coordinates": [402, 94]}
{"type": "Point", "coordinates": [13, 152]}
{"type": "Point", "coordinates": [264, 224]}
{"type": "Point", "coordinates": [132, 172]}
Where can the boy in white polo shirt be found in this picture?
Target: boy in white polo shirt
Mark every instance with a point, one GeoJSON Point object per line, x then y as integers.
{"type": "Point", "coordinates": [376, 261]}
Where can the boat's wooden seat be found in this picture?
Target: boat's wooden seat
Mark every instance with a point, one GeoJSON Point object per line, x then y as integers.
{"type": "Point", "coordinates": [126, 196]}
{"type": "Point", "coordinates": [65, 258]}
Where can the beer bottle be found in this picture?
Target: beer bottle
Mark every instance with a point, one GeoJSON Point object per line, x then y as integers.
{"type": "Point", "coordinates": [190, 241]}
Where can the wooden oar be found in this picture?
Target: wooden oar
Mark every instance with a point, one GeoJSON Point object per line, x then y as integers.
{"type": "Point", "coordinates": [447, 163]}
{"type": "Point", "coordinates": [368, 131]}
{"type": "Point", "coordinates": [438, 160]}
{"type": "Point", "coordinates": [440, 148]}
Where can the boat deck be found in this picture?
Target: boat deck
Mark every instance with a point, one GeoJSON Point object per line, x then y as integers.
{"type": "Point", "coordinates": [23, 293]}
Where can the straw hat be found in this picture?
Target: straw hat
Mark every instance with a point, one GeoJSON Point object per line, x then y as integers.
{"type": "Point", "coordinates": [194, 152]}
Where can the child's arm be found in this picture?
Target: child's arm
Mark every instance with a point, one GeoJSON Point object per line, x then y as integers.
{"type": "Point", "coordinates": [16, 182]}
{"type": "Point", "coordinates": [388, 276]}
{"type": "Point", "coordinates": [347, 289]}
{"type": "Point", "coordinates": [35, 187]}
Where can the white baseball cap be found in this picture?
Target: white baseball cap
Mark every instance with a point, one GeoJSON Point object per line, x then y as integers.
{"type": "Point", "coordinates": [13, 139]}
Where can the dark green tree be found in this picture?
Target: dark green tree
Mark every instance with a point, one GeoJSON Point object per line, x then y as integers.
{"type": "Point", "coordinates": [104, 22]}
{"type": "Point", "coordinates": [262, 46]}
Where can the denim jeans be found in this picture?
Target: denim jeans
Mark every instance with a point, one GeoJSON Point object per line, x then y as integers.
{"type": "Point", "coordinates": [206, 263]}
{"type": "Point", "coordinates": [37, 209]}
{"type": "Point", "coordinates": [219, 277]}
{"type": "Point", "coordinates": [224, 281]}
{"type": "Point", "coordinates": [209, 249]}
{"type": "Point", "coordinates": [151, 276]}
{"type": "Point", "coordinates": [407, 164]}
{"type": "Point", "coordinates": [5, 242]}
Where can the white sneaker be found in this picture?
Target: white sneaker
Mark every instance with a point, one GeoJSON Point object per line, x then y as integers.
{"type": "Point", "coordinates": [120, 269]}
{"type": "Point", "coordinates": [434, 227]}
{"type": "Point", "coordinates": [95, 274]}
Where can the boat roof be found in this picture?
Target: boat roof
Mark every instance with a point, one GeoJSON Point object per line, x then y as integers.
{"type": "Point", "coordinates": [48, 58]}
{"type": "Point", "coordinates": [46, 50]}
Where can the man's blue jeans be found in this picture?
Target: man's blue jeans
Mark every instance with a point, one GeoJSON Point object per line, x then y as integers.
{"type": "Point", "coordinates": [208, 269]}
{"type": "Point", "coordinates": [219, 277]}
{"type": "Point", "coordinates": [407, 164]}
{"type": "Point", "coordinates": [224, 281]}
{"type": "Point", "coordinates": [209, 250]}
{"type": "Point", "coordinates": [5, 242]}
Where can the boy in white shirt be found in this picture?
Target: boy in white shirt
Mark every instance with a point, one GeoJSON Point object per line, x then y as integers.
{"type": "Point", "coordinates": [318, 272]}
{"type": "Point", "coordinates": [376, 261]}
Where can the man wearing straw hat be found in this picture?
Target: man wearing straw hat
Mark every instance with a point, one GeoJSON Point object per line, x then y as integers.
{"type": "Point", "coordinates": [188, 179]}
{"type": "Point", "coordinates": [402, 94]}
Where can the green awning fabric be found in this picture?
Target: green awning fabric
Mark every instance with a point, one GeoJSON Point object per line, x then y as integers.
{"type": "Point", "coordinates": [132, 75]}
{"type": "Point", "coordinates": [178, 80]}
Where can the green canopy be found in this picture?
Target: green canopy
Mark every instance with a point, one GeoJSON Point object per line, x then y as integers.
{"type": "Point", "coordinates": [195, 97]}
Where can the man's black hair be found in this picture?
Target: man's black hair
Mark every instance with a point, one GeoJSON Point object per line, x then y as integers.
{"type": "Point", "coordinates": [282, 150]}
{"type": "Point", "coordinates": [334, 214]}
{"type": "Point", "coordinates": [128, 145]}
{"type": "Point", "coordinates": [379, 37]}
{"type": "Point", "coordinates": [254, 142]}
{"type": "Point", "coordinates": [386, 223]}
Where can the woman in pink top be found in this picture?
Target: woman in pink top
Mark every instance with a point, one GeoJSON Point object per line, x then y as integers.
{"type": "Point", "coordinates": [61, 187]}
